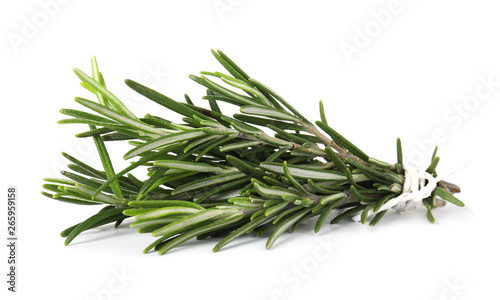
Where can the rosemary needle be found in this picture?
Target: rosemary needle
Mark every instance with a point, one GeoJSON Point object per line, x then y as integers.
{"type": "Point", "coordinates": [219, 175]}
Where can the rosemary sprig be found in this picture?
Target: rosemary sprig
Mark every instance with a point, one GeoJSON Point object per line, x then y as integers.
{"type": "Point", "coordinates": [216, 175]}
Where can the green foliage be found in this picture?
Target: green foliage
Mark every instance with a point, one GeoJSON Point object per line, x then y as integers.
{"type": "Point", "coordinates": [266, 169]}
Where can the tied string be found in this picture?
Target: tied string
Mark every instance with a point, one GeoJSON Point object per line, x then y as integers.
{"type": "Point", "coordinates": [418, 185]}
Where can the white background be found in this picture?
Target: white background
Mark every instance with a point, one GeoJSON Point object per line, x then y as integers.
{"type": "Point", "coordinates": [415, 73]}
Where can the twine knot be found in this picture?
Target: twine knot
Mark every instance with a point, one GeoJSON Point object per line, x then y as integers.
{"type": "Point", "coordinates": [418, 185]}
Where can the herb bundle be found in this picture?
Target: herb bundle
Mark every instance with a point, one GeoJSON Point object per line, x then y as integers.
{"type": "Point", "coordinates": [264, 170]}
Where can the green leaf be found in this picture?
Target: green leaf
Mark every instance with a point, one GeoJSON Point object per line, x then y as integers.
{"type": "Point", "coordinates": [447, 196]}
{"type": "Point", "coordinates": [276, 155]}
{"type": "Point", "coordinates": [400, 152]}
{"type": "Point", "coordinates": [188, 100]}
{"type": "Point", "coordinates": [163, 212]}
{"type": "Point", "coordinates": [296, 199]}
{"type": "Point", "coordinates": [218, 97]}
{"type": "Point", "coordinates": [351, 180]}
{"type": "Point", "coordinates": [272, 181]}
{"type": "Point", "coordinates": [276, 208]}
{"type": "Point", "coordinates": [207, 140]}
{"type": "Point", "coordinates": [347, 213]}
{"type": "Point", "coordinates": [274, 141]}
{"type": "Point", "coordinates": [140, 162]}
{"type": "Point", "coordinates": [199, 231]}
{"type": "Point", "coordinates": [106, 163]}
{"type": "Point", "coordinates": [430, 217]}
{"type": "Point", "coordinates": [118, 117]}
{"type": "Point", "coordinates": [265, 122]}
{"type": "Point", "coordinates": [88, 88]}
{"type": "Point", "coordinates": [428, 204]}
{"type": "Point", "coordinates": [256, 214]}
{"type": "Point", "coordinates": [193, 220]}
{"type": "Point", "coordinates": [116, 136]}
{"type": "Point", "coordinates": [286, 212]}
{"type": "Point", "coordinates": [97, 76]}
{"type": "Point", "coordinates": [161, 222]}
{"type": "Point", "coordinates": [283, 226]}
{"type": "Point", "coordinates": [434, 153]}
{"type": "Point", "coordinates": [71, 200]}
{"type": "Point", "coordinates": [94, 172]}
{"type": "Point", "coordinates": [306, 173]}
{"type": "Point", "coordinates": [240, 99]}
{"type": "Point", "coordinates": [222, 188]}
{"type": "Point", "coordinates": [342, 142]}
{"type": "Point", "coordinates": [363, 198]}
{"type": "Point", "coordinates": [326, 211]}
{"type": "Point", "coordinates": [382, 201]}
{"type": "Point", "coordinates": [163, 203]}
{"type": "Point", "coordinates": [266, 89]}
{"type": "Point", "coordinates": [380, 163]}
{"type": "Point", "coordinates": [163, 141]}
{"type": "Point", "coordinates": [205, 182]}
{"type": "Point", "coordinates": [322, 112]}
{"type": "Point", "coordinates": [214, 106]}
{"type": "Point", "coordinates": [292, 180]}
{"type": "Point", "coordinates": [163, 100]}
{"type": "Point", "coordinates": [94, 183]}
{"type": "Point", "coordinates": [245, 167]}
{"type": "Point", "coordinates": [247, 88]}
{"type": "Point", "coordinates": [432, 167]}
{"type": "Point", "coordinates": [242, 230]}
{"type": "Point", "coordinates": [104, 221]}
{"type": "Point", "coordinates": [287, 135]}
{"type": "Point", "coordinates": [85, 115]}
{"type": "Point", "coordinates": [317, 188]}
{"type": "Point", "coordinates": [244, 128]}
{"type": "Point", "coordinates": [190, 166]}
{"type": "Point", "coordinates": [113, 100]}
{"type": "Point", "coordinates": [214, 144]}
{"type": "Point", "coordinates": [273, 192]}
{"type": "Point", "coordinates": [157, 174]}
{"type": "Point", "coordinates": [85, 190]}
{"type": "Point", "coordinates": [51, 187]}
{"type": "Point", "coordinates": [99, 217]}
{"type": "Point", "coordinates": [339, 164]}
{"type": "Point", "coordinates": [268, 112]}
{"type": "Point", "coordinates": [60, 180]}
{"type": "Point", "coordinates": [333, 197]}
{"type": "Point", "coordinates": [90, 133]}
{"type": "Point", "coordinates": [239, 145]}
{"type": "Point", "coordinates": [230, 66]}
{"type": "Point", "coordinates": [378, 176]}
{"type": "Point", "coordinates": [112, 126]}
{"type": "Point", "coordinates": [80, 170]}
{"type": "Point", "coordinates": [65, 191]}
{"type": "Point", "coordinates": [162, 123]}
{"type": "Point", "coordinates": [305, 217]}
{"type": "Point", "coordinates": [245, 204]}
{"type": "Point", "coordinates": [377, 218]}
{"type": "Point", "coordinates": [364, 214]}
{"type": "Point", "coordinates": [220, 131]}
{"type": "Point", "coordinates": [263, 229]}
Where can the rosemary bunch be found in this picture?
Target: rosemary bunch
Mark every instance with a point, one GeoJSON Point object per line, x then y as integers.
{"type": "Point", "coordinates": [264, 170]}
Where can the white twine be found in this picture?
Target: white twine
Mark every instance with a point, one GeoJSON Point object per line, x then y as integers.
{"type": "Point", "coordinates": [418, 185]}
